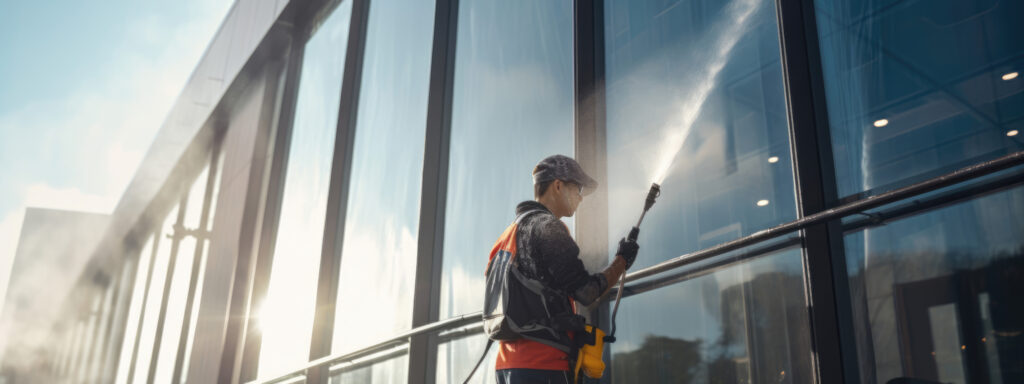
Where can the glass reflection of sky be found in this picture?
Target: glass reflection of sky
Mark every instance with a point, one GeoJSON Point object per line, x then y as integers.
{"type": "Point", "coordinates": [286, 316]}
{"type": "Point", "coordinates": [933, 71]}
{"type": "Point", "coordinates": [378, 262]}
{"type": "Point", "coordinates": [657, 56]}
{"type": "Point", "coordinates": [512, 106]}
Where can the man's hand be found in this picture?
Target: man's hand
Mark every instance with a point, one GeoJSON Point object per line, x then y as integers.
{"type": "Point", "coordinates": [627, 249]}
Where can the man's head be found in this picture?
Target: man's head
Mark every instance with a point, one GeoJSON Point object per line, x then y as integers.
{"type": "Point", "coordinates": [560, 184]}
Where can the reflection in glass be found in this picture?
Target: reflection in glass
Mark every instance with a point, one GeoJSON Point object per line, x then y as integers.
{"type": "Point", "coordinates": [942, 287]}
{"type": "Point", "coordinates": [512, 106]}
{"type": "Point", "coordinates": [746, 323]}
{"type": "Point", "coordinates": [391, 371]}
{"type": "Point", "coordinates": [695, 101]}
{"type": "Point", "coordinates": [456, 358]}
{"type": "Point", "coordinates": [915, 89]}
{"type": "Point", "coordinates": [182, 274]}
{"type": "Point", "coordinates": [286, 315]}
{"type": "Point", "coordinates": [134, 312]}
{"type": "Point", "coordinates": [378, 262]}
{"type": "Point", "coordinates": [147, 337]}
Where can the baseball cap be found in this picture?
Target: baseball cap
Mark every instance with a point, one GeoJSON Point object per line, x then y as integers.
{"type": "Point", "coordinates": [559, 167]}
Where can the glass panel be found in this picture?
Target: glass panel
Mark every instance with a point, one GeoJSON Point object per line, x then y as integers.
{"type": "Point", "coordinates": [941, 287]}
{"type": "Point", "coordinates": [695, 102]}
{"type": "Point", "coordinates": [193, 317]}
{"type": "Point", "coordinates": [174, 318]}
{"type": "Point", "coordinates": [378, 263]}
{"type": "Point", "coordinates": [919, 88]}
{"type": "Point", "coordinates": [83, 368]}
{"type": "Point", "coordinates": [119, 320]}
{"type": "Point", "coordinates": [746, 323]}
{"type": "Point", "coordinates": [456, 358]}
{"type": "Point", "coordinates": [286, 315]}
{"type": "Point", "coordinates": [154, 297]}
{"type": "Point", "coordinates": [134, 312]}
{"type": "Point", "coordinates": [512, 106]}
{"type": "Point", "coordinates": [392, 371]}
{"type": "Point", "coordinates": [99, 343]}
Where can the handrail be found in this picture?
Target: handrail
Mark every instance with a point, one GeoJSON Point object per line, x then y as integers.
{"type": "Point", "coordinates": [955, 177]}
{"type": "Point", "coordinates": [449, 323]}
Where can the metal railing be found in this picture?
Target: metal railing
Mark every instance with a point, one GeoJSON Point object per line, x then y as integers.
{"type": "Point", "coordinates": [949, 179]}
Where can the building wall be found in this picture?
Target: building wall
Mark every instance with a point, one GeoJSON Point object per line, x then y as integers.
{"type": "Point", "coordinates": [52, 252]}
{"type": "Point", "coordinates": [373, 149]}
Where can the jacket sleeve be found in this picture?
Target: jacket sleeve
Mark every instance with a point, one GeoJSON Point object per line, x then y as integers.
{"type": "Point", "coordinates": [563, 267]}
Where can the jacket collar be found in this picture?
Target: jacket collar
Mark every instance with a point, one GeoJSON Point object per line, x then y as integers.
{"type": "Point", "coordinates": [530, 205]}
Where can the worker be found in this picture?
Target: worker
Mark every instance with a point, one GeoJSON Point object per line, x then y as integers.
{"type": "Point", "coordinates": [547, 254]}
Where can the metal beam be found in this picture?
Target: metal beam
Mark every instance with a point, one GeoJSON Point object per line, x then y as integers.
{"type": "Point", "coordinates": [430, 238]}
{"type": "Point", "coordinates": [337, 198]}
{"type": "Point", "coordinates": [824, 261]}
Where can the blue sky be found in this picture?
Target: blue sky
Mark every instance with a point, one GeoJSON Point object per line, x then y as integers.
{"type": "Point", "coordinates": [84, 87]}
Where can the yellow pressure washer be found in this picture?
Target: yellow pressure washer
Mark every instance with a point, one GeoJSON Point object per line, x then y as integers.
{"type": "Point", "coordinates": [590, 359]}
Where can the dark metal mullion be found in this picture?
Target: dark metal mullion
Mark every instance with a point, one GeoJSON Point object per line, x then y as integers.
{"type": "Point", "coordinates": [590, 132]}
{"type": "Point", "coordinates": [278, 154]}
{"type": "Point", "coordinates": [590, 136]}
{"type": "Point", "coordinates": [433, 198]}
{"type": "Point", "coordinates": [145, 298]}
{"type": "Point", "coordinates": [171, 262]}
{"type": "Point", "coordinates": [824, 262]}
{"type": "Point", "coordinates": [197, 257]}
{"type": "Point", "coordinates": [337, 200]}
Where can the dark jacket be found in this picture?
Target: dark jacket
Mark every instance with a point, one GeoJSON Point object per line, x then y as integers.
{"type": "Point", "coordinates": [547, 253]}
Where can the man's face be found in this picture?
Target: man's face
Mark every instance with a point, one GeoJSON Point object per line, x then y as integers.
{"type": "Point", "coordinates": [572, 195]}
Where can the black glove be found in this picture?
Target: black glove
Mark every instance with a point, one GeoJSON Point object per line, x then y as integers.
{"type": "Point", "coordinates": [627, 249]}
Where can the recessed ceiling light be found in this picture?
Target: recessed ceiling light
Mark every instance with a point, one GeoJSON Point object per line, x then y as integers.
{"type": "Point", "coordinates": [881, 123]}
{"type": "Point", "coordinates": [761, 203]}
{"type": "Point", "coordinates": [773, 159]}
{"type": "Point", "coordinates": [1010, 76]}
{"type": "Point", "coordinates": [1012, 133]}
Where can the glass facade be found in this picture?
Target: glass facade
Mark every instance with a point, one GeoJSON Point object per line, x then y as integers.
{"type": "Point", "coordinates": [916, 89]}
{"type": "Point", "coordinates": [144, 355]}
{"type": "Point", "coordinates": [742, 323]}
{"type": "Point", "coordinates": [695, 102]}
{"type": "Point", "coordinates": [181, 276]}
{"type": "Point", "coordinates": [134, 312]}
{"type": "Point", "coordinates": [285, 316]}
{"type": "Point", "coordinates": [378, 259]}
{"type": "Point", "coordinates": [512, 106]}
{"type": "Point", "coordinates": [689, 94]}
{"type": "Point", "coordinates": [935, 294]}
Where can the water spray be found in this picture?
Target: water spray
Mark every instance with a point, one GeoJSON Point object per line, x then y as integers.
{"type": "Point", "coordinates": [652, 195]}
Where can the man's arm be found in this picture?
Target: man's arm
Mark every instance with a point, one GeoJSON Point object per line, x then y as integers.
{"type": "Point", "coordinates": [567, 270]}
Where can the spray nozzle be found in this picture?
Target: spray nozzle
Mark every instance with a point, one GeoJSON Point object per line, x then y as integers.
{"type": "Point", "coordinates": [652, 195]}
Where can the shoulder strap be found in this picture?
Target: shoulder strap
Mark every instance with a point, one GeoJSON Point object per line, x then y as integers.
{"type": "Point", "coordinates": [478, 362]}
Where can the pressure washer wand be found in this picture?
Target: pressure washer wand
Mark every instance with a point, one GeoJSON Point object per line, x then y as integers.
{"type": "Point", "coordinates": [652, 194]}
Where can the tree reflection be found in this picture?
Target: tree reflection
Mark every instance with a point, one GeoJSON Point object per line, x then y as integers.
{"type": "Point", "coordinates": [660, 359]}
